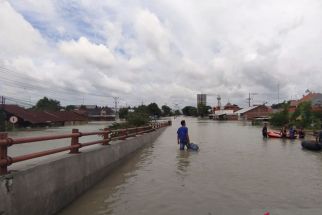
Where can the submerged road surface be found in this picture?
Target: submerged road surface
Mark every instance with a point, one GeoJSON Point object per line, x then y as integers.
{"type": "Point", "coordinates": [235, 172]}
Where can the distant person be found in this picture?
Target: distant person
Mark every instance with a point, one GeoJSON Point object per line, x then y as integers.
{"type": "Point", "coordinates": [292, 132]}
{"type": "Point", "coordinates": [264, 130]}
{"type": "Point", "coordinates": [183, 136]}
{"type": "Point", "coordinates": [283, 132]}
{"type": "Point", "coordinates": [301, 133]}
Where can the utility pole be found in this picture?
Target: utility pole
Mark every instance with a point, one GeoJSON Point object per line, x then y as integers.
{"type": "Point", "coordinates": [278, 93]}
{"type": "Point", "coordinates": [2, 114]}
{"type": "Point", "coordinates": [219, 102]}
{"type": "Point", "coordinates": [115, 106]}
{"type": "Point", "coordinates": [250, 98]}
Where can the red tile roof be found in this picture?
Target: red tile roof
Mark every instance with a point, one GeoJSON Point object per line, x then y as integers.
{"type": "Point", "coordinates": [37, 117]}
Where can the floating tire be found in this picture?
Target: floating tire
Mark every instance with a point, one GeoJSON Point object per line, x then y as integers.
{"type": "Point", "coordinates": [311, 145]}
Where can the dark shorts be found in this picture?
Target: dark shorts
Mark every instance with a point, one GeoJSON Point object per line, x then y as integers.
{"type": "Point", "coordinates": [182, 146]}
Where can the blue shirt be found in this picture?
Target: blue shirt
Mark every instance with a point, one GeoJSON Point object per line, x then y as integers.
{"type": "Point", "coordinates": [182, 134]}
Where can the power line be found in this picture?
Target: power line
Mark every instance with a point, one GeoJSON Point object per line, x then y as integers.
{"type": "Point", "coordinates": [12, 82]}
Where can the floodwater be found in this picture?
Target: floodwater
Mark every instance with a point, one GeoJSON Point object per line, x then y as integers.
{"type": "Point", "coordinates": [236, 171]}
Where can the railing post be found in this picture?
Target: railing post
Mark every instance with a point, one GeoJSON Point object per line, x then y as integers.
{"type": "Point", "coordinates": [123, 134]}
{"type": "Point", "coordinates": [106, 136]}
{"type": "Point", "coordinates": [3, 154]}
{"type": "Point", "coordinates": [74, 142]}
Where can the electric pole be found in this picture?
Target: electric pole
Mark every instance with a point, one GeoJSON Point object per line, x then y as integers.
{"type": "Point", "coordinates": [278, 93]}
{"type": "Point", "coordinates": [115, 106]}
{"type": "Point", "coordinates": [250, 98]}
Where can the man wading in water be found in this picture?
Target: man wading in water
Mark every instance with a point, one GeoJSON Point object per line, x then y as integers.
{"type": "Point", "coordinates": [183, 137]}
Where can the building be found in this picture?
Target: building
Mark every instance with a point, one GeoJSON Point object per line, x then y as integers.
{"type": "Point", "coordinates": [202, 99]}
{"type": "Point", "coordinates": [226, 113]}
{"type": "Point", "coordinates": [96, 113]}
{"type": "Point", "coordinates": [314, 98]}
{"type": "Point", "coordinates": [251, 113]}
{"type": "Point", "coordinates": [30, 118]}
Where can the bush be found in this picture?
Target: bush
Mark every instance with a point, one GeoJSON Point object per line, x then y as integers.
{"type": "Point", "coordinates": [138, 118]}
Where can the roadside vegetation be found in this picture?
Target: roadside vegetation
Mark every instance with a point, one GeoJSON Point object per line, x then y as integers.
{"type": "Point", "coordinates": [141, 115]}
{"type": "Point", "coordinates": [303, 116]}
{"type": "Point", "coordinates": [201, 110]}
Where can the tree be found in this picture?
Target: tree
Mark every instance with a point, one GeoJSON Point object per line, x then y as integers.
{"type": "Point", "coordinates": [137, 118]}
{"type": "Point", "coordinates": [70, 107]}
{"type": "Point", "coordinates": [203, 110]}
{"type": "Point", "coordinates": [46, 104]}
{"type": "Point", "coordinates": [154, 110]}
{"type": "Point", "coordinates": [303, 115]}
{"type": "Point", "coordinates": [2, 120]}
{"type": "Point", "coordinates": [279, 105]}
{"type": "Point", "coordinates": [123, 112]}
{"type": "Point", "coordinates": [141, 108]}
{"type": "Point", "coordinates": [280, 118]}
{"type": "Point", "coordinates": [190, 111]}
{"type": "Point", "coordinates": [166, 110]}
{"type": "Point", "coordinates": [177, 113]}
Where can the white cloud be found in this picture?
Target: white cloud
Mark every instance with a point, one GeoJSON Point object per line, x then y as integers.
{"type": "Point", "coordinates": [83, 51]}
{"type": "Point", "coordinates": [166, 51]}
{"type": "Point", "coordinates": [17, 37]}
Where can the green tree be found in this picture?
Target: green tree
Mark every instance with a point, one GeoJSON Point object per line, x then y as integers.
{"type": "Point", "coordinates": [123, 112]}
{"type": "Point", "coordinates": [139, 117]}
{"type": "Point", "coordinates": [177, 113]}
{"type": "Point", "coordinates": [190, 111]}
{"type": "Point", "coordinates": [280, 118]}
{"type": "Point", "coordinates": [306, 113]}
{"type": "Point", "coordinates": [154, 110]}
{"type": "Point", "coordinates": [70, 107]}
{"type": "Point", "coordinates": [280, 105]}
{"type": "Point", "coordinates": [46, 104]}
{"type": "Point", "coordinates": [141, 108]}
{"type": "Point", "coordinates": [203, 110]}
{"type": "Point", "coordinates": [2, 120]}
{"type": "Point", "coordinates": [166, 110]}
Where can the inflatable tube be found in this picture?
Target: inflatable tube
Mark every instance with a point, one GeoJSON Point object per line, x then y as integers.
{"type": "Point", "coordinates": [311, 145]}
{"type": "Point", "coordinates": [193, 147]}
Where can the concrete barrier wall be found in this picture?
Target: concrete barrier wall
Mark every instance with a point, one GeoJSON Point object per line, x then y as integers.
{"type": "Point", "coordinates": [53, 184]}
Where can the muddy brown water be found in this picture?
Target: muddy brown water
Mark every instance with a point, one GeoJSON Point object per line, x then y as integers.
{"type": "Point", "coordinates": [236, 171]}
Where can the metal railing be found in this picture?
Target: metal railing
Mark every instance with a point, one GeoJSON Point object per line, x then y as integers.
{"type": "Point", "coordinates": [106, 134]}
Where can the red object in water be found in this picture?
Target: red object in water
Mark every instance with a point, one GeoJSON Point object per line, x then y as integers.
{"type": "Point", "coordinates": [274, 134]}
{"type": "Point", "coordinates": [267, 213]}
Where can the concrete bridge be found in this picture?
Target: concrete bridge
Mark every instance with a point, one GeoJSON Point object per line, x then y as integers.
{"type": "Point", "coordinates": [46, 186]}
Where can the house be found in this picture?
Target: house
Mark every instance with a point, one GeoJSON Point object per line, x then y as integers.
{"type": "Point", "coordinates": [227, 113]}
{"type": "Point", "coordinates": [96, 113]}
{"type": "Point", "coordinates": [26, 118]}
{"type": "Point", "coordinates": [251, 113]}
{"type": "Point", "coordinates": [314, 98]}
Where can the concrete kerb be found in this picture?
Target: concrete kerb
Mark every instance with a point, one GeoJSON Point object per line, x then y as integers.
{"type": "Point", "coordinates": [50, 185]}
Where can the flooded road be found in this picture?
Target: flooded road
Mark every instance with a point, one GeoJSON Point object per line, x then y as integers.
{"type": "Point", "coordinates": [235, 172]}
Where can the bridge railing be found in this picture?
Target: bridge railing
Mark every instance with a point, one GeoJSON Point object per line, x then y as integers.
{"type": "Point", "coordinates": [106, 136]}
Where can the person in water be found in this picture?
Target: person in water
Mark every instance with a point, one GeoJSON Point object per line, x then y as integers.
{"type": "Point", "coordinates": [183, 136]}
{"type": "Point", "coordinates": [292, 132]}
{"type": "Point", "coordinates": [283, 132]}
{"type": "Point", "coordinates": [301, 133]}
{"type": "Point", "coordinates": [264, 130]}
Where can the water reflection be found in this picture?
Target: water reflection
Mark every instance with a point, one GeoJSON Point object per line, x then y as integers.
{"type": "Point", "coordinates": [183, 161]}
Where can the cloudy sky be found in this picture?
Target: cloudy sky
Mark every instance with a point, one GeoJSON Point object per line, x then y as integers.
{"type": "Point", "coordinates": [165, 51]}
